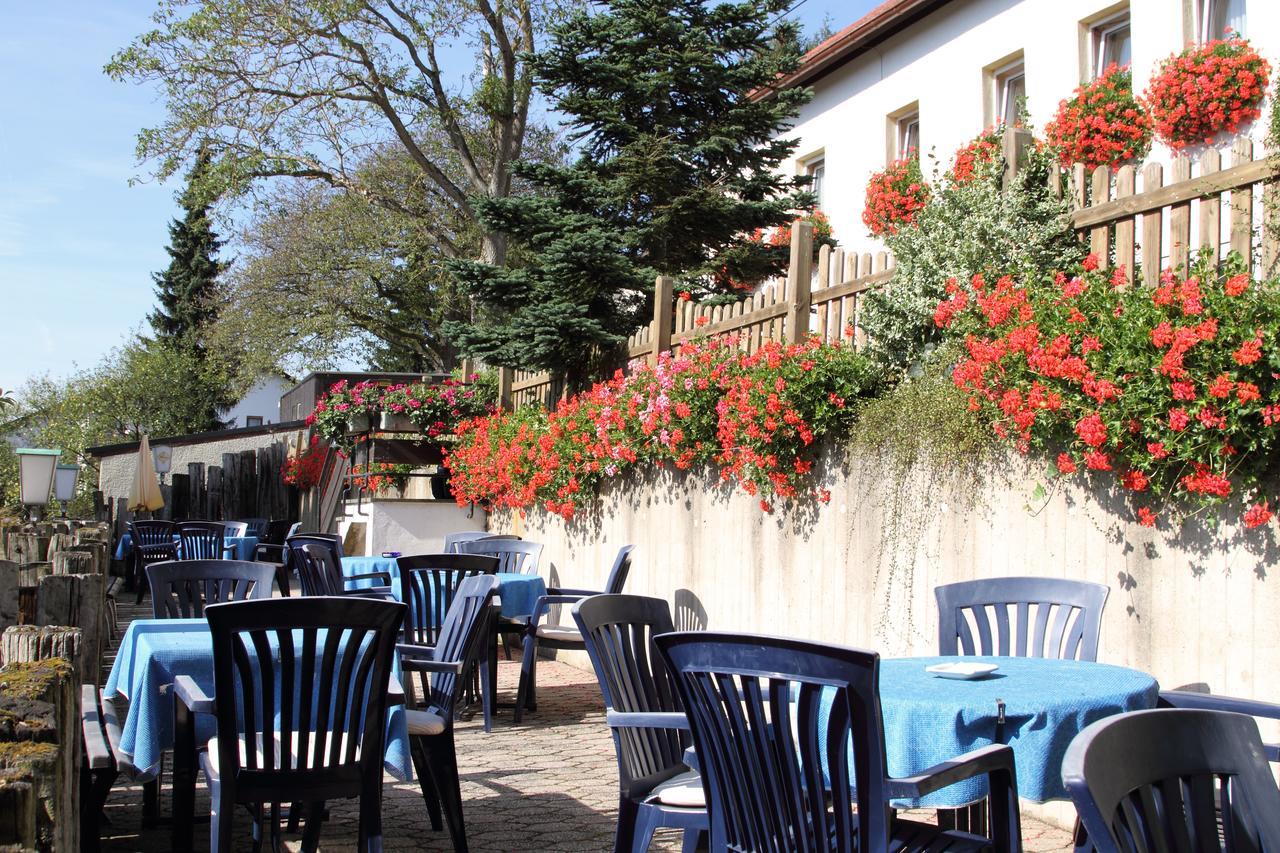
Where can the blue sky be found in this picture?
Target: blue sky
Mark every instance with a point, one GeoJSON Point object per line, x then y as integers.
{"type": "Point", "coordinates": [78, 244]}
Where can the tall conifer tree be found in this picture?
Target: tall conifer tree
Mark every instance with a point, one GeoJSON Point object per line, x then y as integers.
{"type": "Point", "coordinates": [678, 163]}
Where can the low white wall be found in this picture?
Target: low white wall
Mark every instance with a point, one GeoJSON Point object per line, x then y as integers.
{"type": "Point", "coordinates": [407, 526]}
{"type": "Point", "coordinates": [1190, 604]}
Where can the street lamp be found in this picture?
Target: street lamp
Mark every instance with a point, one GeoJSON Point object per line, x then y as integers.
{"type": "Point", "coordinates": [35, 477]}
{"type": "Point", "coordinates": [162, 458]}
{"type": "Point", "coordinates": [64, 484]}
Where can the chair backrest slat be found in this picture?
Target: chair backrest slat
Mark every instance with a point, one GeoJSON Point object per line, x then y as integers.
{"type": "Point", "coordinates": [516, 556]}
{"type": "Point", "coordinates": [152, 532]}
{"type": "Point", "coordinates": [618, 631]}
{"type": "Point", "coordinates": [462, 638]}
{"type": "Point", "coordinates": [773, 722]}
{"type": "Point", "coordinates": [302, 685]}
{"type": "Point", "coordinates": [453, 540]}
{"type": "Point", "coordinates": [620, 570]}
{"type": "Point", "coordinates": [429, 584]}
{"type": "Point", "coordinates": [321, 574]}
{"type": "Point", "coordinates": [1052, 617]}
{"type": "Point", "coordinates": [182, 589]}
{"type": "Point", "coordinates": [1171, 779]}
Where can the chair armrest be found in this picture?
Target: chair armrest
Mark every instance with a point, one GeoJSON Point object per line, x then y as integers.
{"type": "Point", "coordinates": [423, 665]}
{"type": "Point", "coordinates": [986, 760]}
{"type": "Point", "coordinates": [416, 650]}
{"type": "Point", "coordinates": [97, 752]}
{"type": "Point", "coordinates": [385, 577]}
{"type": "Point", "coordinates": [383, 592]}
{"type": "Point", "coordinates": [1214, 702]}
{"type": "Point", "coordinates": [395, 692]}
{"type": "Point", "coordinates": [646, 719]}
{"type": "Point", "coordinates": [190, 694]}
{"type": "Point", "coordinates": [265, 552]}
{"type": "Point", "coordinates": [543, 606]}
{"type": "Point", "coordinates": [576, 593]}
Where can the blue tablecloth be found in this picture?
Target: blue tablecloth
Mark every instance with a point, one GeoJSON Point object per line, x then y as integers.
{"type": "Point", "coordinates": [928, 720]}
{"type": "Point", "coordinates": [243, 545]}
{"type": "Point", "coordinates": [151, 654]}
{"type": "Point", "coordinates": [519, 593]}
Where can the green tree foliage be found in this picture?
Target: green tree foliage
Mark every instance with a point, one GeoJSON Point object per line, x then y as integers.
{"type": "Point", "coordinates": [309, 88]}
{"type": "Point", "coordinates": [188, 289]}
{"type": "Point", "coordinates": [969, 226]}
{"type": "Point", "coordinates": [677, 164]}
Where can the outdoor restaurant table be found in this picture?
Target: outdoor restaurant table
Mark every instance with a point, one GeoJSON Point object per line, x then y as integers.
{"type": "Point", "coordinates": [242, 547]}
{"type": "Point", "coordinates": [1047, 702]}
{"type": "Point", "coordinates": [519, 593]}
{"type": "Point", "coordinates": [155, 651]}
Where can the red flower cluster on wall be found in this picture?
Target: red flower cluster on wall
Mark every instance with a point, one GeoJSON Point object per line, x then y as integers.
{"type": "Point", "coordinates": [1102, 123]}
{"type": "Point", "coordinates": [757, 417]}
{"type": "Point", "coordinates": [1173, 388]}
{"type": "Point", "coordinates": [1207, 90]}
{"type": "Point", "coordinates": [977, 154]}
{"type": "Point", "coordinates": [305, 468]}
{"type": "Point", "coordinates": [894, 196]}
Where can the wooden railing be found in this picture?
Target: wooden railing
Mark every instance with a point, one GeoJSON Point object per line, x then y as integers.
{"type": "Point", "coordinates": [1131, 219]}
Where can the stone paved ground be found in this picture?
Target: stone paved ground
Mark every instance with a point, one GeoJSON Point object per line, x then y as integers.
{"type": "Point", "coordinates": [547, 784]}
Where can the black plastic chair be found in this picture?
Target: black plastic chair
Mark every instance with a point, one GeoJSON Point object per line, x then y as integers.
{"type": "Point", "coordinates": [428, 585]}
{"type": "Point", "coordinates": [326, 664]}
{"type": "Point", "coordinates": [560, 636]}
{"type": "Point", "coordinates": [1033, 617]}
{"type": "Point", "coordinates": [773, 720]}
{"type": "Point", "coordinates": [517, 556]}
{"type": "Point", "coordinates": [453, 540]}
{"type": "Point", "coordinates": [320, 574]}
{"type": "Point", "coordinates": [1214, 702]}
{"type": "Point", "coordinates": [256, 527]}
{"type": "Point", "coordinates": [203, 540]}
{"type": "Point", "coordinates": [650, 731]}
{"type": "Point", "coordinates": [182, 589]}
{"type": "Point", "coordinates": [435, 677]}
{"type": "Point", "coordinates": [1174, 779]}
{"type": "Point", "coordinates": [333, 544]}
{"type": "Point", "coordinates": [236, 528]}
{"type": "Point", "coordinates": [153, 542]}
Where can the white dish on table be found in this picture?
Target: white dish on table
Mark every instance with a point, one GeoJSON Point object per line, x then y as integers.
{"type": "Point", "coordinates": [964, 670]}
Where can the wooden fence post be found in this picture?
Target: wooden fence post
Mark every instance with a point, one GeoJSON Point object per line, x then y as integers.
{"type": "Point", "coordinates": [506, 376]}
{"type": "Point", "coordinates": [1015, 147]}
{"type": "Point", "coordinates": [799, 282]}
{"type": "Point", "coordinates": [663, 315]}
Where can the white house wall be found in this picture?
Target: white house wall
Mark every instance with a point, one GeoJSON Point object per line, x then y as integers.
{"type": "Point", "coordinates": [940, 63]}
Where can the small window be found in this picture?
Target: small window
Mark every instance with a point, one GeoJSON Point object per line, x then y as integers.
{"type": "Point", "coordinates": [909, 135]}
{"type": "Point", "coordinates": [1112, 43]}
{"type": "Point", "coordinates": [1009, 92]}
{"type": "Point", "coordinates": [297, 411]}
{"type": "Point", "coordinates": [252, 420]}
{"type": "Point", "coordinates": [1218, 16]}
{"type": "Point", "coordinates": [816, 168]}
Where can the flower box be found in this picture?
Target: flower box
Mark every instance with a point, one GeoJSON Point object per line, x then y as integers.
{"type": "Point", "coordinates": [392, 422]}
{"type": "Point", "coordinates": [359, 423]}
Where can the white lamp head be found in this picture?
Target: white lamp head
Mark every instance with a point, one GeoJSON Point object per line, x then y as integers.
{"type": "Point", "coordinates": [64, 482]}
{"type": "Point", "coordinates": [35, 474]}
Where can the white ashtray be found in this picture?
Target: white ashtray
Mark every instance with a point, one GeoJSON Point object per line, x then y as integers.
{"type": "Point", "coordinates": [964, 670]}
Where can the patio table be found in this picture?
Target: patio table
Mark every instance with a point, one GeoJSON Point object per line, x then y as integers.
{"type": "Point", "coordinates": [151, 655]}
{"type": "Point", "coordinates": [241, 547]}
{"type": "Point", "coordinates": [519, 593]}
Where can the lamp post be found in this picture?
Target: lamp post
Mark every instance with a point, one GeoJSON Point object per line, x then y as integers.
{"type": "Point", "coordinates": [35, 477]}
{"type": "Point", "coordinates": [65, 478]}
{"type": "Point", "coordinates": [162, 458]}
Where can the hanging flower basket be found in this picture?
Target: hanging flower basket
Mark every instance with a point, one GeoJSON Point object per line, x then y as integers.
{"type": "Point", "coordinates": [1208, 93]}
{"type": "Point", "coordinates": [359, 423]}
{"type": "Point", "coordinates": [894, 196]}
{"type": "Point", "coordinates": [1102, 123]}
{"type": "Point", "coordinates": [393, 422]}
{"type": "Point", "coordinates": [973, 158]}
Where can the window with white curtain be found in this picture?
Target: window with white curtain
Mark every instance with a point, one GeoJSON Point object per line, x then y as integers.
{"type": "Point", "coordinates": [1218, 16]}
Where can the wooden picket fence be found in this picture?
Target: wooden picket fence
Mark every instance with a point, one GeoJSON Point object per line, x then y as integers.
{"type": "Point", "coordinates": [1131, 219]}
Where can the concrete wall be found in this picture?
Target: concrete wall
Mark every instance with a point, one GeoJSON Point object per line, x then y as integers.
{"type": "Point", "coordinates": [1191, 604]}
{"type": "Point", "coordinates": [408, 526]}
{"type": "Point", "coordinates": [116, 471]}
{"type": "Point", "coordinates": [940, 61]}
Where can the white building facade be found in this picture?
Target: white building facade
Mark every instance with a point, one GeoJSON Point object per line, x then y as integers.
{"type": "Point", "coordinates": [260, 405]}
{"type": "Point", "coordinates": [932, 74]}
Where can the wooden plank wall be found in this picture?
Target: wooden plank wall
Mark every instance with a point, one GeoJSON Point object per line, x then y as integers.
{"type": "Point", "coordinates": [1135, 218]}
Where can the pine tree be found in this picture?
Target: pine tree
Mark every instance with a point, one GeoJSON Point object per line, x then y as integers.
{"type": "Point", "coordinates": [678, 165]}
{"type": "Point", "coordinates": [188, 288]}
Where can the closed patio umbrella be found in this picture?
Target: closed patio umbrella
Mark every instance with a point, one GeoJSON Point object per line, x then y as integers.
{"type": "Point", "coordinates": [145, 492]}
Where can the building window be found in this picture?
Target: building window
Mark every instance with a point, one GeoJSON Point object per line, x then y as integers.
{"type": "Point", "coordinates": [815, 167]}
{"type": "Point", "coordinates": [1217, 16]}
{"type": "Point", "coordinates": [1112, 43]}
{"type": "Point", "coordinates": [1009, 92]}
{"type": "Point", "coordinates": [909, 135]}
{"type": "Point", "coordinates": [252, 420]}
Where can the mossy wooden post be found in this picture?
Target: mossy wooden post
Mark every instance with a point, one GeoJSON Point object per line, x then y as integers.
{"type": "Point", "coordinates": [663, 315]}
{"type": "Point", "coordinates": [506, 378]}
{"type": "Point", "coordinates": [46, 690]}
{"type": "Point", "coordinates": [78, 601]}
{"type": "Point", "coordinates": [9, 610]}
{"type": "Point", "coordinates": [799, 283]}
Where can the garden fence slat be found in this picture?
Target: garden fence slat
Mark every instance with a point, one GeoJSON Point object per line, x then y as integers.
{"type": "Point", "coordinates": [1180, 219]}
{"type": "Point", "coordinates": [1079, 191]}
{"type": "Point", "coordinates": [1152, 226]}
{"type": "Point", "coordinates": [1242, 204]}
{"type": "Point", "coordinates": [1271, 229]}
{"type": "Point", "coordinates": [1211, 207]}
{"type": "Point", "coordinates": [1124, 228]}
{"type": "Point", "coordinates": [1100, 235]}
